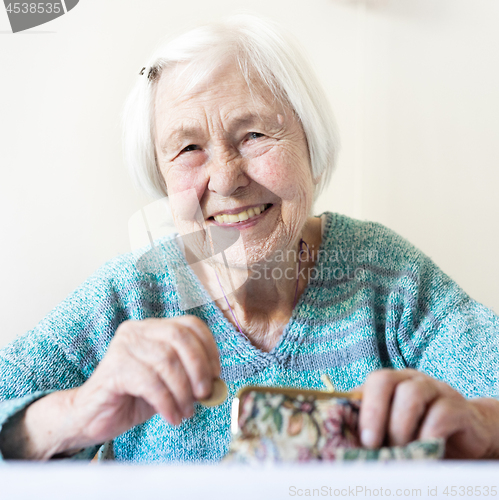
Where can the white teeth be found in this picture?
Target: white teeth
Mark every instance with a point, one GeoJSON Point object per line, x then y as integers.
{"type": "Point", "coordinates": [240, 217]}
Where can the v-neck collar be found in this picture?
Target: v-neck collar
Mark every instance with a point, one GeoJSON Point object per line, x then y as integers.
{"type": "Point", "coordinates": [227, 335]}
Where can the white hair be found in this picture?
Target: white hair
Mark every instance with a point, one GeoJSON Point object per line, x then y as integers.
{"type": "Point", "coordinates": [259, 47]}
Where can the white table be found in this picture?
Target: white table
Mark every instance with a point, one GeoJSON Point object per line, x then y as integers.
{"type": "Point", "coordinates": [140, 482]}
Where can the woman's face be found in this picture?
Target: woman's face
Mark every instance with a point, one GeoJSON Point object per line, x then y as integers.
{"type": "Point", "coordinates": [241, 159]}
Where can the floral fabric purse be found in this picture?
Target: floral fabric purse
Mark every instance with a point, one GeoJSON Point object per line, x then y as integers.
{"type": "Point", "coordinates": [283, 425]}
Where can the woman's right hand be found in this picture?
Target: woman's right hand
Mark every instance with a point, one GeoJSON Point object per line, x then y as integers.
{"type": "Point", "coordinates": [152, 366]}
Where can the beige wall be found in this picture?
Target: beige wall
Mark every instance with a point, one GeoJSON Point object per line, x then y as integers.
{"type": "Point", "coordinates": [414, 84]}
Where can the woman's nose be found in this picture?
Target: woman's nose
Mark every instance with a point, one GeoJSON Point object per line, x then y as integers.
{"type": "Point", "coordinates": [227, 173]}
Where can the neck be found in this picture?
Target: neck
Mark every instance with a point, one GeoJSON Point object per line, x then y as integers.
{"type": "Point", "coordinates": [263, 305]}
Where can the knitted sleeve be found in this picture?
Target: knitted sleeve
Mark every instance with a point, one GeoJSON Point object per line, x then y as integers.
{"type": "Point", "coordinates": [438, 329]}
{"type": "Point", "coordinates": [62, 351]}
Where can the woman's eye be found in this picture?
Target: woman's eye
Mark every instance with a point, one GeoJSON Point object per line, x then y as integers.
{"type": "Point", "coordinates": [255, 135]}
{"type": "Point", "coordinates": [190, 147]}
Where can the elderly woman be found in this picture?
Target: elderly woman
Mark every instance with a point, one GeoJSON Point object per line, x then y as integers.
{"type": "Point", "coordinates": [229, 122]}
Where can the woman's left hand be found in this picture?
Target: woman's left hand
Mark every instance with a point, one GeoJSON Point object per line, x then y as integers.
{"type": "Point", "coordinates": [401, 406]}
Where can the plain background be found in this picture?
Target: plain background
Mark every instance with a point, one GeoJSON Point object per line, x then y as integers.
{"type": "Point", "coordinates": [415, 89]}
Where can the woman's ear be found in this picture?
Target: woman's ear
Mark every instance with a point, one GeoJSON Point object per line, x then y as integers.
{"type": "Point", "coordinates": [317, 179]}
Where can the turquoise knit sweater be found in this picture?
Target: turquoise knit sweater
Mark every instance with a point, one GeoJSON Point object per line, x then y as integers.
{"type": "Point", "coordinates": [374, 301]}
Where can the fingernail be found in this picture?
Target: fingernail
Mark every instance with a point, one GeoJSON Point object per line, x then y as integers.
{"type": "Point", "coordinates": [368, 438]}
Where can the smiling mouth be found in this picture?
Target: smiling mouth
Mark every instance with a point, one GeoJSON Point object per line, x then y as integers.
{"type": "Point", "coordinates": [241, 216]}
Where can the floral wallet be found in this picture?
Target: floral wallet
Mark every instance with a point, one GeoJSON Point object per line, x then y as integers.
{"type": "Point", "coordinates": [300, 425]}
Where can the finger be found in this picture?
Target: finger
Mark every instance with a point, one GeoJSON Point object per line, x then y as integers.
{"type": "Point", "coordinates": [378, 392]}
{"type": "Point", "coordinates": [205, 335]}
{"type": "Point", "coordinates": [163, 359]}
{"type": "Point", "coordinates": [464, 426]}
{"type": "Point", "coordinates": [194, 358]}
{"type": "Point", "coordinates": [451, 419]}
{"type": "Point", "coordinates": [446, 417]}
{"type": "Point", "coordinates": [411, 400]}
{"type": "Point", "coordinates": [172, 372]}
{"type": "Point", "coordinates": [189, 349]}
{"type": "Point", "coordinates": [141, 381]}
{"type": "Point", "coordinates": [192, 325]}
{"type": "Point", "coordinates": [146, 343]}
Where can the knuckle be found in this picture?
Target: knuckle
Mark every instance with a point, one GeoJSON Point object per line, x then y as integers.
{"type": "Point", "coordinates": [413, 372]}
{"type": "Point", "coordinates": [125, 325]}
{"type": "Point", "coordinates": [189, 319]}
{"type": "Point", "coordinates": [411, 400]}
{"type": "Point", "coordinates": [410, 391]}
{"type": "Point", "coordinates": [194, 322]}
{"type": "Point", "coordinates": [179, 334]}
{"type": "Point", "coordinates": [123, 329]}
{"type": "Point", "coordinates": [128, 331]}
{"type": "Point", "coordinates": [444, 408]}
{"type": "Point", "coordinates": [127, 336]}
{"type": "Point", "coordinates": [190, 348]}
{"type": "Point", "coordinates": [444, 414]}
{"type": "Point", "coordinates": [439, 421]}
{"type": "Point", "coordinates": [380, 377]}
{"type": "Point", "coordinates": [138, 384]}
{"type": "Point", "coordinates": [168, 359]}
{"type": "Point", "coordinates": [448, 391]}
